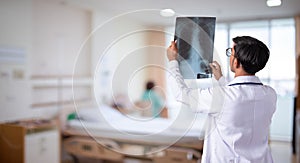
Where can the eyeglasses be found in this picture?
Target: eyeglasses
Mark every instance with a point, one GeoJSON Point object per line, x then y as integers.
{"type": "Point", "coordinates": [228, 52]}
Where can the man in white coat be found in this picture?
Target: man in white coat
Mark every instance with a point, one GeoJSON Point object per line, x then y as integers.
{"type": "Point", "coordinates": [241, 110]}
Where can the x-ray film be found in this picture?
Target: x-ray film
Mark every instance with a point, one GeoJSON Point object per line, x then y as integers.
{"type": "Point", "coordinates": [195, 43]}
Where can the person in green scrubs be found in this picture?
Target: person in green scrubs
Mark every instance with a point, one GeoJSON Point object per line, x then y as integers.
{"type": "Point", "coordinates": [157, 102]}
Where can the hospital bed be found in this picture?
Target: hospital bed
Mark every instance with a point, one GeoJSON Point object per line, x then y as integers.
{"type": "Point", "coordinates": [107, 134]}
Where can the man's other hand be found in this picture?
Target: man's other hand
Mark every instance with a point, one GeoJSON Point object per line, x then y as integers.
{"type": "Point", "coordinates": [172, 51]}
{"type": "Point", "coordinates": [216, 69]}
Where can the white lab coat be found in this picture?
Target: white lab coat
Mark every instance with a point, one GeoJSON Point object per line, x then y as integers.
{"type": "Point", "coordinates": [240, 116]}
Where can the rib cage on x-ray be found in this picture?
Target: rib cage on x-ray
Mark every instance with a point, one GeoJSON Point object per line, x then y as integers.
{"type": "Point", "coordinates": [195, 43]}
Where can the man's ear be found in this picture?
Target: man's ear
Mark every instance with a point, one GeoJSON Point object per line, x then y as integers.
{"type": "Point", "coordinates": [237, 63]}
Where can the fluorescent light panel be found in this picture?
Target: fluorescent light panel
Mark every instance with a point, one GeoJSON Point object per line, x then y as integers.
{"type": "Point", "coordinates": [273, 3]}
{"type": "Point", "coordinates": [167, 12]}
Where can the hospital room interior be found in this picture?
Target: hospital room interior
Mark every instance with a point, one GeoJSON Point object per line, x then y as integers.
{"type": "Point", "coordinates": [74, 74]}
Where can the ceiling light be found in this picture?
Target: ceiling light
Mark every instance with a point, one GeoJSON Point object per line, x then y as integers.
{"type": "Point", "coordinates": [167, 12]}
{"type": "Point", "coordinates": [273, 3]}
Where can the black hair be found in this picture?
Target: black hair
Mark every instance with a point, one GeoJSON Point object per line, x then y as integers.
{"type": "Point", "coordinates": [149, 85]}
{"type": "Point", "coordinates": [251, 53]}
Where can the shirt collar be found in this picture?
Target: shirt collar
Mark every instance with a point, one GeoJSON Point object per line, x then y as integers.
{"type": "Point", "coordinates": [245, 79]}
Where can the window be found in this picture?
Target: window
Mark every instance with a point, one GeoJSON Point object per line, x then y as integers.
{"type": "Point", "coordinates": [256, 29]}
{"type": "Point", "coordinates": [282, 59]}
{"type": "Point", "coordinates": [221, 43]}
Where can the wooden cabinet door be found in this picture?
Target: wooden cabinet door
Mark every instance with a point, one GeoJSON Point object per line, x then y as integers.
{"type": "Point", "coordinates": [42, 147]}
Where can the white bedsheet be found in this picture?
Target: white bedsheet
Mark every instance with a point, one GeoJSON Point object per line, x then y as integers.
{"type": "Point", "coordinates": [109, 123]}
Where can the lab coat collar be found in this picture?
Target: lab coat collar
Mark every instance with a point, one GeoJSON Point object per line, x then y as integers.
{"type": "Point", "coordinates": [245, 79]}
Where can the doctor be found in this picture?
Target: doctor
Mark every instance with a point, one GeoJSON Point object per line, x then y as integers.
{"type": "Point", "coordinates": [241, 110]}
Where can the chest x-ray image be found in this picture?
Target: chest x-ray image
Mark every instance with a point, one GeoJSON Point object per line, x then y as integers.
{"type": "Point", "coordinates": [195, 43]}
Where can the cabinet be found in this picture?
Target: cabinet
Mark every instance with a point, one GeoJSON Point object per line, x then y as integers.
{"type": "Point", "coordinates": [30, 142]}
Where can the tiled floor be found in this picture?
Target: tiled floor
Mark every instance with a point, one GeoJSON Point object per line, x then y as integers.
{"type": "Point", "coordinates": [281, 152]}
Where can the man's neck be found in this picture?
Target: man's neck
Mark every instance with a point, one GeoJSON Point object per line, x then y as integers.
{"type": "Point", "coordinates": [242, 73]}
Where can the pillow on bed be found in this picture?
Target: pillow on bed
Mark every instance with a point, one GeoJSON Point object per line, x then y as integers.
{"type": "Point", "coordinates": [97, 114]}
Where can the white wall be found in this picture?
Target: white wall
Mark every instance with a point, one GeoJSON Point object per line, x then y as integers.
{"type": "Point", "coordinates": [59, 31]}
{"type": "Point", "coordinates": [117, 51]}
{"type": "Point", "coordinates": [125, 56]}
{"type": "Point", "coordinates": [15, 33]}
{"type": "Point", "coordinates": [59, 53]}
{"type": "Point", "coordinates": [50, 33]}
{"type": "Point", "coordinates": [282, 122]}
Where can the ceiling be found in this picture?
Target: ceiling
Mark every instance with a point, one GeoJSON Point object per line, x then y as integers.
{"type": "Point", "coordinates": [147, 11]}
